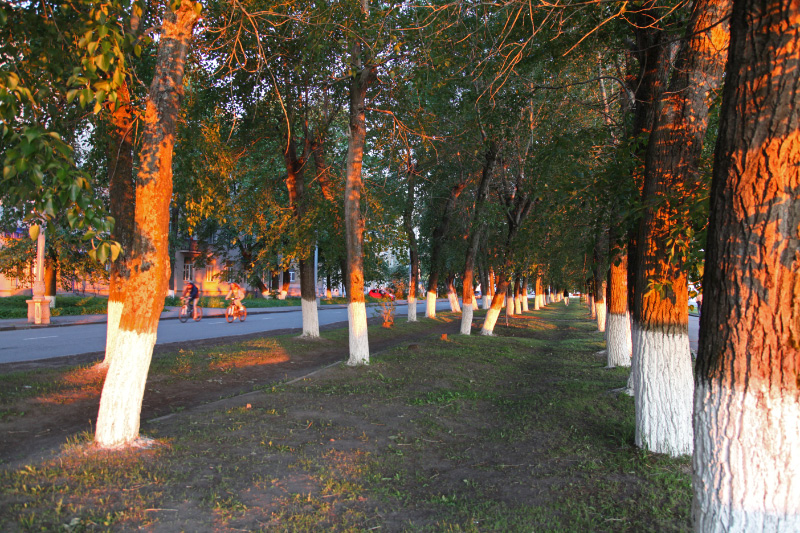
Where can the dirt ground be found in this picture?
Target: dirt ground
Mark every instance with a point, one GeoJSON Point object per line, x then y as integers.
{"type": "Point", "coordinates": [50, 420]}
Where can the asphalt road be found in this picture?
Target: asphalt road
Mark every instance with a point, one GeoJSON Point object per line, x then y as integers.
{"type": "Point", "coordinates": [44, 343]}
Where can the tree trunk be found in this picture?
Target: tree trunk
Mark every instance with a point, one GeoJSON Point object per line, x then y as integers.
{"type": "Point", "coordinates": [525, 294]}
{"type": "Point", "coordinates": [537, 301]}
{"type": "Point", "coordinates": [747, 380]}
{"type": "Point", "coordinates": [413, 251]}
{"type": "Point", "coordinates": [497, 306]}
{"type": "Point", "coordinates": [452, 294]}
{"type": "Point", "coordinates": [436, 248]}
{"type": "Point", "coordinates": [354, 221]}
{"type": "Point", "coordinates": [121, 399]}
{"type": "Point", "coordinates": [51, 278]}
{"type": "Point", "coordinates": [328, 294]}
{"type": "Point", "coordinates": [663, 375]}
{"type": "Point", "coordinates": [286, 281]}
{"type": "Point", "coordinates": [517, 295]}
{"type": "Point", "coordinates": [295, 184]}
{"type": "Point", "coordinates": [122, 206]}
{"type": "Point", "coordinates": [488, 289]}
{"type": "Point", "coordinates": [618, 322]}
{"type": "Point", "coordinates": [600, 256]}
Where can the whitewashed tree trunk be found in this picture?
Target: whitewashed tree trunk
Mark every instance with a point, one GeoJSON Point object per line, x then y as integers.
{"type": "Point", "coordinates": [517, 305]}
{"type": "Point", "coordinates": [618, 340]}
{"type": "Point", "coordinates": [525, 307]}
{"type": "Point", "coordinates": [474, 303]}
{"type": "Point", "coordinates": [121, 401]}
{"type": "Point", "coordinates": [466, 319]}
{"type": "Point", "coordinates": [359, 341]}
{"type": "Point", "coordinates": [430, 305]}
{"type": "Point", "coordinates": [536, 300]}
{"type": "Point", "coordinates": [112, 329]}
{"type": "Point", "coordinates": [487, 301]}
{"type": "Point", "coordinates": [412, 309]}
{"type": "Point", "coordinates": [310, 318]}
{"type": "Point", "coordinates": [758, 432]}
{"type": "Point", "coordinates": [601, 315]}
{"type": "Point", "coordinates": [452, 299]}
{"type": "Point", "coordinates": [663, 388]}
{"type": "Point", "coordinates": [509, 305]}
{"type": "Point", "coordinates": [592, 308]}
{"type": "Point", "coordinates": [490, 321]}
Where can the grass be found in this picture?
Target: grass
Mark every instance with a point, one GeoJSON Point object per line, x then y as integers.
{"type": "Point", "coordinates": [511, 433]}
{"type": "Point", "coordinates": [15, 306]}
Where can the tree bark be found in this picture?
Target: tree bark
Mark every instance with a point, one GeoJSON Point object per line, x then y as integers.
{"type": "Point", "coordinates": [121, 399]}
{"type": "Point", "coordinates": [662, 361]}
{"type": "Point", "coordinates": [497, 306]}
{"type": "Point", "coordinates": [618, 321]}
{"type": "Point", "coordinates": [436, 249]}
{"type": "Point", "coordinates": [747, 381]}
{"type": "Point", "coordinates": [122, 206]}
{"type": "Point", "coordinates": [295, 184]}
{"type": "Point", "coordinates": [525, 294]}
{"type": "Point", "coordinates": [600, 264]}
{"type": "Point", "coordinates": [354, 221]}
{"type": "Point", "coordinates": [476, 230]}
{"type": "Point", "coordinates": [413, 250]}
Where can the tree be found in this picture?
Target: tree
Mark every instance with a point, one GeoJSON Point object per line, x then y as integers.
{"type": "Point", "coordinates": [121, 399]}
{"type": "Point", "coordinates": [747, 381]}
{"type": "Point", "coordinates": [662, 376]}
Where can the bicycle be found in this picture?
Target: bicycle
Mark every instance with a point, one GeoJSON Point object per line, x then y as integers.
{"type": "Point", "coordinates": [187, 311]}
{"type": "Point", "coordinates": [233, 312]}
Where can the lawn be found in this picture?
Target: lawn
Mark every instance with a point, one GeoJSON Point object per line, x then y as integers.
{"type": "Point", "coordinates": [517, 432]}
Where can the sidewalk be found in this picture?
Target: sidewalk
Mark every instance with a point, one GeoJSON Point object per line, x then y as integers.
{"type": "Point", "coordinates": [169, 313]}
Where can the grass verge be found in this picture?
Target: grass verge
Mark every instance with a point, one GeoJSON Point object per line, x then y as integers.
{"type": "Point", "coordinates": [516, 432]}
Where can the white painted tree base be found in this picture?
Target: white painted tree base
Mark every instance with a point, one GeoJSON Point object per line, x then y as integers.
{"type": "Point", "coordinates": [466, 319]}
{"type": "Point", "coordinates": [359, 341]}
{"type": "Point", "coordinates": [310, 318]}
{"type": "Point", "coordinates": [601, 315]}
{"type": "Point", "coordinates": [663, 388]}
{"type": "Point", "coordinates": [489, 322]}
{"type": "Point", "coordinates": [123, 390]}
{"type": "Point", "coordinates": [452, 299]}
{"type": "Point", "coordinates": [487, 301]}
{"type": "Point", "coordinates": [474, 303]}
{"type": "Point", "coordinates": [112, 330]}
{"type": "Point", "coordinates": [430, 305]}
{"type": "Point", "coordinates": [517, 305]}
{"type": "Point", "coordinates": [282, 295]}
{"type": "Point", "coordinates": [618, 340]}
{"type": "Point", "coordinates": [525, 307]}
{"type": "Point", "coordinates": [412, 309]}
{"type": "Point", "coordinates": [746, 464]}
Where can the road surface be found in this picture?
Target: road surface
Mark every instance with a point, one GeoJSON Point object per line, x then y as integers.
{"type": "Point", "coordinates": [45, 343]}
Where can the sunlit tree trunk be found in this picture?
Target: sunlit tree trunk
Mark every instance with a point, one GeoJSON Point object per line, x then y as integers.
{"type": "Point", "coordinates": [618, 321]}
{"type": "Point", "coordinates": [121, 399]}
{"type": "Point", "coordinates": [361, 79]}
{"type": "Point", "coordinates": [122, 206]}
{"type": "Point", "coordinates": [517, 295]}
{"type": "Point", "coordinates": [498, 300]}
{"type": "Point", "coordinates": [452, 295]}
{"type": "Point", "coordinates": [662, 381]}
{"type": "Point", "coordinates": [747, 380]}
{"type": "Point", "coordinates": [537, 301]}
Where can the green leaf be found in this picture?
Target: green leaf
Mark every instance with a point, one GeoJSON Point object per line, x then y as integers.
{"type": "Point", "coordinates": [102, 252]}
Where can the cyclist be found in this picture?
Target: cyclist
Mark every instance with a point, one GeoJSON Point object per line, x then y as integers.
{"type": "Point", "coordinates": [192, 293]}
{"type": "Point", "coordinates": [235, 293]}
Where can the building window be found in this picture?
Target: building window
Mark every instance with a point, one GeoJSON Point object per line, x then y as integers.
{"type": "Point", "coordinates": [210, 273]}
{"type": "Point", "coordinates": [291, 276]}
{"type": "Point", "coordinates": [188, 271]}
